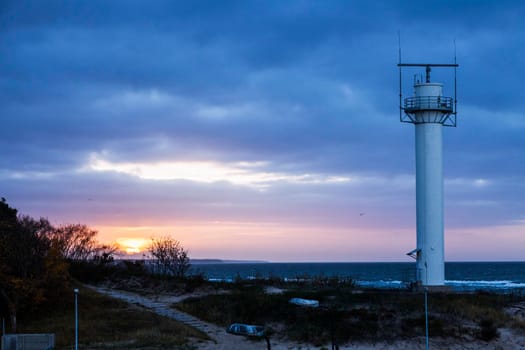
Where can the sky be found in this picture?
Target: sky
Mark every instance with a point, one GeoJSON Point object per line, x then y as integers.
{"type": "Point", "coordinates": [264, 130]}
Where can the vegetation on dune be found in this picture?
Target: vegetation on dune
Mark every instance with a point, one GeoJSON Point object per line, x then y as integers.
{"type": "Point", "coordinates": [106, 323]}
{"type": "Point", "coordinates": [35, 261]}
{"type": "Point", "coordinates": [351, 315]}
{"type": "Point", "coordinates": [32, 272]}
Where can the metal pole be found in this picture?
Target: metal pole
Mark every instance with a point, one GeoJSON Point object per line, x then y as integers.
{"type": "Point", "coordinates": [268, 345]}
{"type": "Point", "coordinates": [76, 318]}
{"type": "Point", "coordinates": [455, 88]}
{"type": "Point", "coordinates": [400, 80]}
{"type": "Point", "coordinates": [426, 317]}
{"type": "Point", "coordinates": [426, 306]}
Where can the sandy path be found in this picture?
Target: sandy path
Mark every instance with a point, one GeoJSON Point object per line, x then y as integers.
{"type": "Point", "coordinates": [221, 340]}
{"type": "Point", "coordinates": [161, 305]}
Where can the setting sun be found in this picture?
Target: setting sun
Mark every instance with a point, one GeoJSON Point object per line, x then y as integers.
{"type": "Point", "coordinates": [132, 245]}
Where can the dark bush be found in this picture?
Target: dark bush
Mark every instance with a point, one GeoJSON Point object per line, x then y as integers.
{"type": "Point", "coordinates": [488, 330]}
{"type": "Point", "coordinates": [193, 282]}
{"type": "Point", "coordinates": [89, 271]}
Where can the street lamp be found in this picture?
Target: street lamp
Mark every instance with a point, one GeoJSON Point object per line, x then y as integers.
{"type": "Point", "coordinates": [426, 318]}
{"type": "Point", "coordinates": [76, 318]}
{"type": "Point", "coordinates": [426, 306]}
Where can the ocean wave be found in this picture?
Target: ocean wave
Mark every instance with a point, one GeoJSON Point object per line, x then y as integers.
{"type": "Point", "coordinates": [382, 284]}
{"type": "Point", "coordinates": [457, 284]}
{"type": "Point", "coordinates": [460, 285]}
{"type": "Point", "coordinates": [485, 284]}
{"type": "Point", "coordinates": [227, 280]}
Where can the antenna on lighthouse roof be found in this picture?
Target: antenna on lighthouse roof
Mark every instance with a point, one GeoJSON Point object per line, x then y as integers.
{"type": "Point", "coordinates": [400, 78]}
{"type": "Point", "coordinates": [449, 119]}
{"type": "Point", "coordinates": [455, 86]}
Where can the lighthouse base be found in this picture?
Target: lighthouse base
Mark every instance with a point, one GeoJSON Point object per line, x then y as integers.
{"type": "Point", "coordinates": [418, 287]}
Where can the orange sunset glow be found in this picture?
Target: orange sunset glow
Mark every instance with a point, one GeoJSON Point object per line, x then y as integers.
{"type": "Point", "coordinates": [132, 245]}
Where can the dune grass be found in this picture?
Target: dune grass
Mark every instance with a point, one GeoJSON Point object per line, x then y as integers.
{"type": "Point", "coordinates": [348, 314]}
{"type": "Point", "coordinates": [106, 323]}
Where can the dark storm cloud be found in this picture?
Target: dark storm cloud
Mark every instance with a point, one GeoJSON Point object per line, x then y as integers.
{"type": "Point", "coordinates": [308, 87]}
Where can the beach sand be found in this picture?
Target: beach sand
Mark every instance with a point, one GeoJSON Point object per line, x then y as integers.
{"type": "Point", "coordinates": [508, 340]}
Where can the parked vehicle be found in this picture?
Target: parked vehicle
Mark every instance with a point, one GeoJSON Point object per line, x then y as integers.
{"type": "Point", "coordinates": [246, 330]}
{"type": "Point", "coordinates": [304, 302]}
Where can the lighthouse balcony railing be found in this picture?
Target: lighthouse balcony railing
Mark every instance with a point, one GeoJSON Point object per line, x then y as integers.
{"type": "Point", "coordinates": [425, 103]}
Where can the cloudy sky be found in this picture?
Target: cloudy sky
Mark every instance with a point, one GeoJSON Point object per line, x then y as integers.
{"type": "Point", "coordinates": [261, 129]}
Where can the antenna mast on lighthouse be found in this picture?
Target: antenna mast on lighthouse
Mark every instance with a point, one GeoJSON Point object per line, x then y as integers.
{"type": "Point", "coordinates": [429, 111]}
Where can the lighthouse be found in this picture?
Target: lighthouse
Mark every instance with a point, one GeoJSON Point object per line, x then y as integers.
{"type": "Point", "coordinates": [429, 111]}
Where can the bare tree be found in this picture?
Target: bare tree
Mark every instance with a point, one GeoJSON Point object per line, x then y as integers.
{"type": "Point", "coordinates": [169, 256]}
{"type": "Point", "coordinates": [75, 241]}
{"type": "Point", "coordinates": [105, 253]}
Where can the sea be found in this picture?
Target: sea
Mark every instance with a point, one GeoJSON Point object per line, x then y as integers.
{"type": "Point", "coordinates": [504, 277]}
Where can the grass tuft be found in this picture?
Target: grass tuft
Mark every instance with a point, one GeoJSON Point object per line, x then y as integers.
{"type": "Point", "coordinates": [106, 323]}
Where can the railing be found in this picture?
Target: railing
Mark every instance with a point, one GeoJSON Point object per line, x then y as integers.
{"type": "Point", "coordinates": [28, 341]}
{"type": "Point", "coordinates": [436, 103]}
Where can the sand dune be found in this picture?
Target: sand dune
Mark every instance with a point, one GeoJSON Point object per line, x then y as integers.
{"type": "Point", "coordinates": [508, 340]}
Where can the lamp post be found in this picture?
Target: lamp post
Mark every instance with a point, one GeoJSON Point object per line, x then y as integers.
{"type": "Point", "coordinates": [76, 318]}
{"type": "Point", "coordinates": [426, 318]}
{"type": "Point", "coordinates": [425, 288]}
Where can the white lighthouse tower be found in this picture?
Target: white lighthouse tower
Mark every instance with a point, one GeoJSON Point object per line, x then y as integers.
{"type": "Point", "coordinates": [429, 111]}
